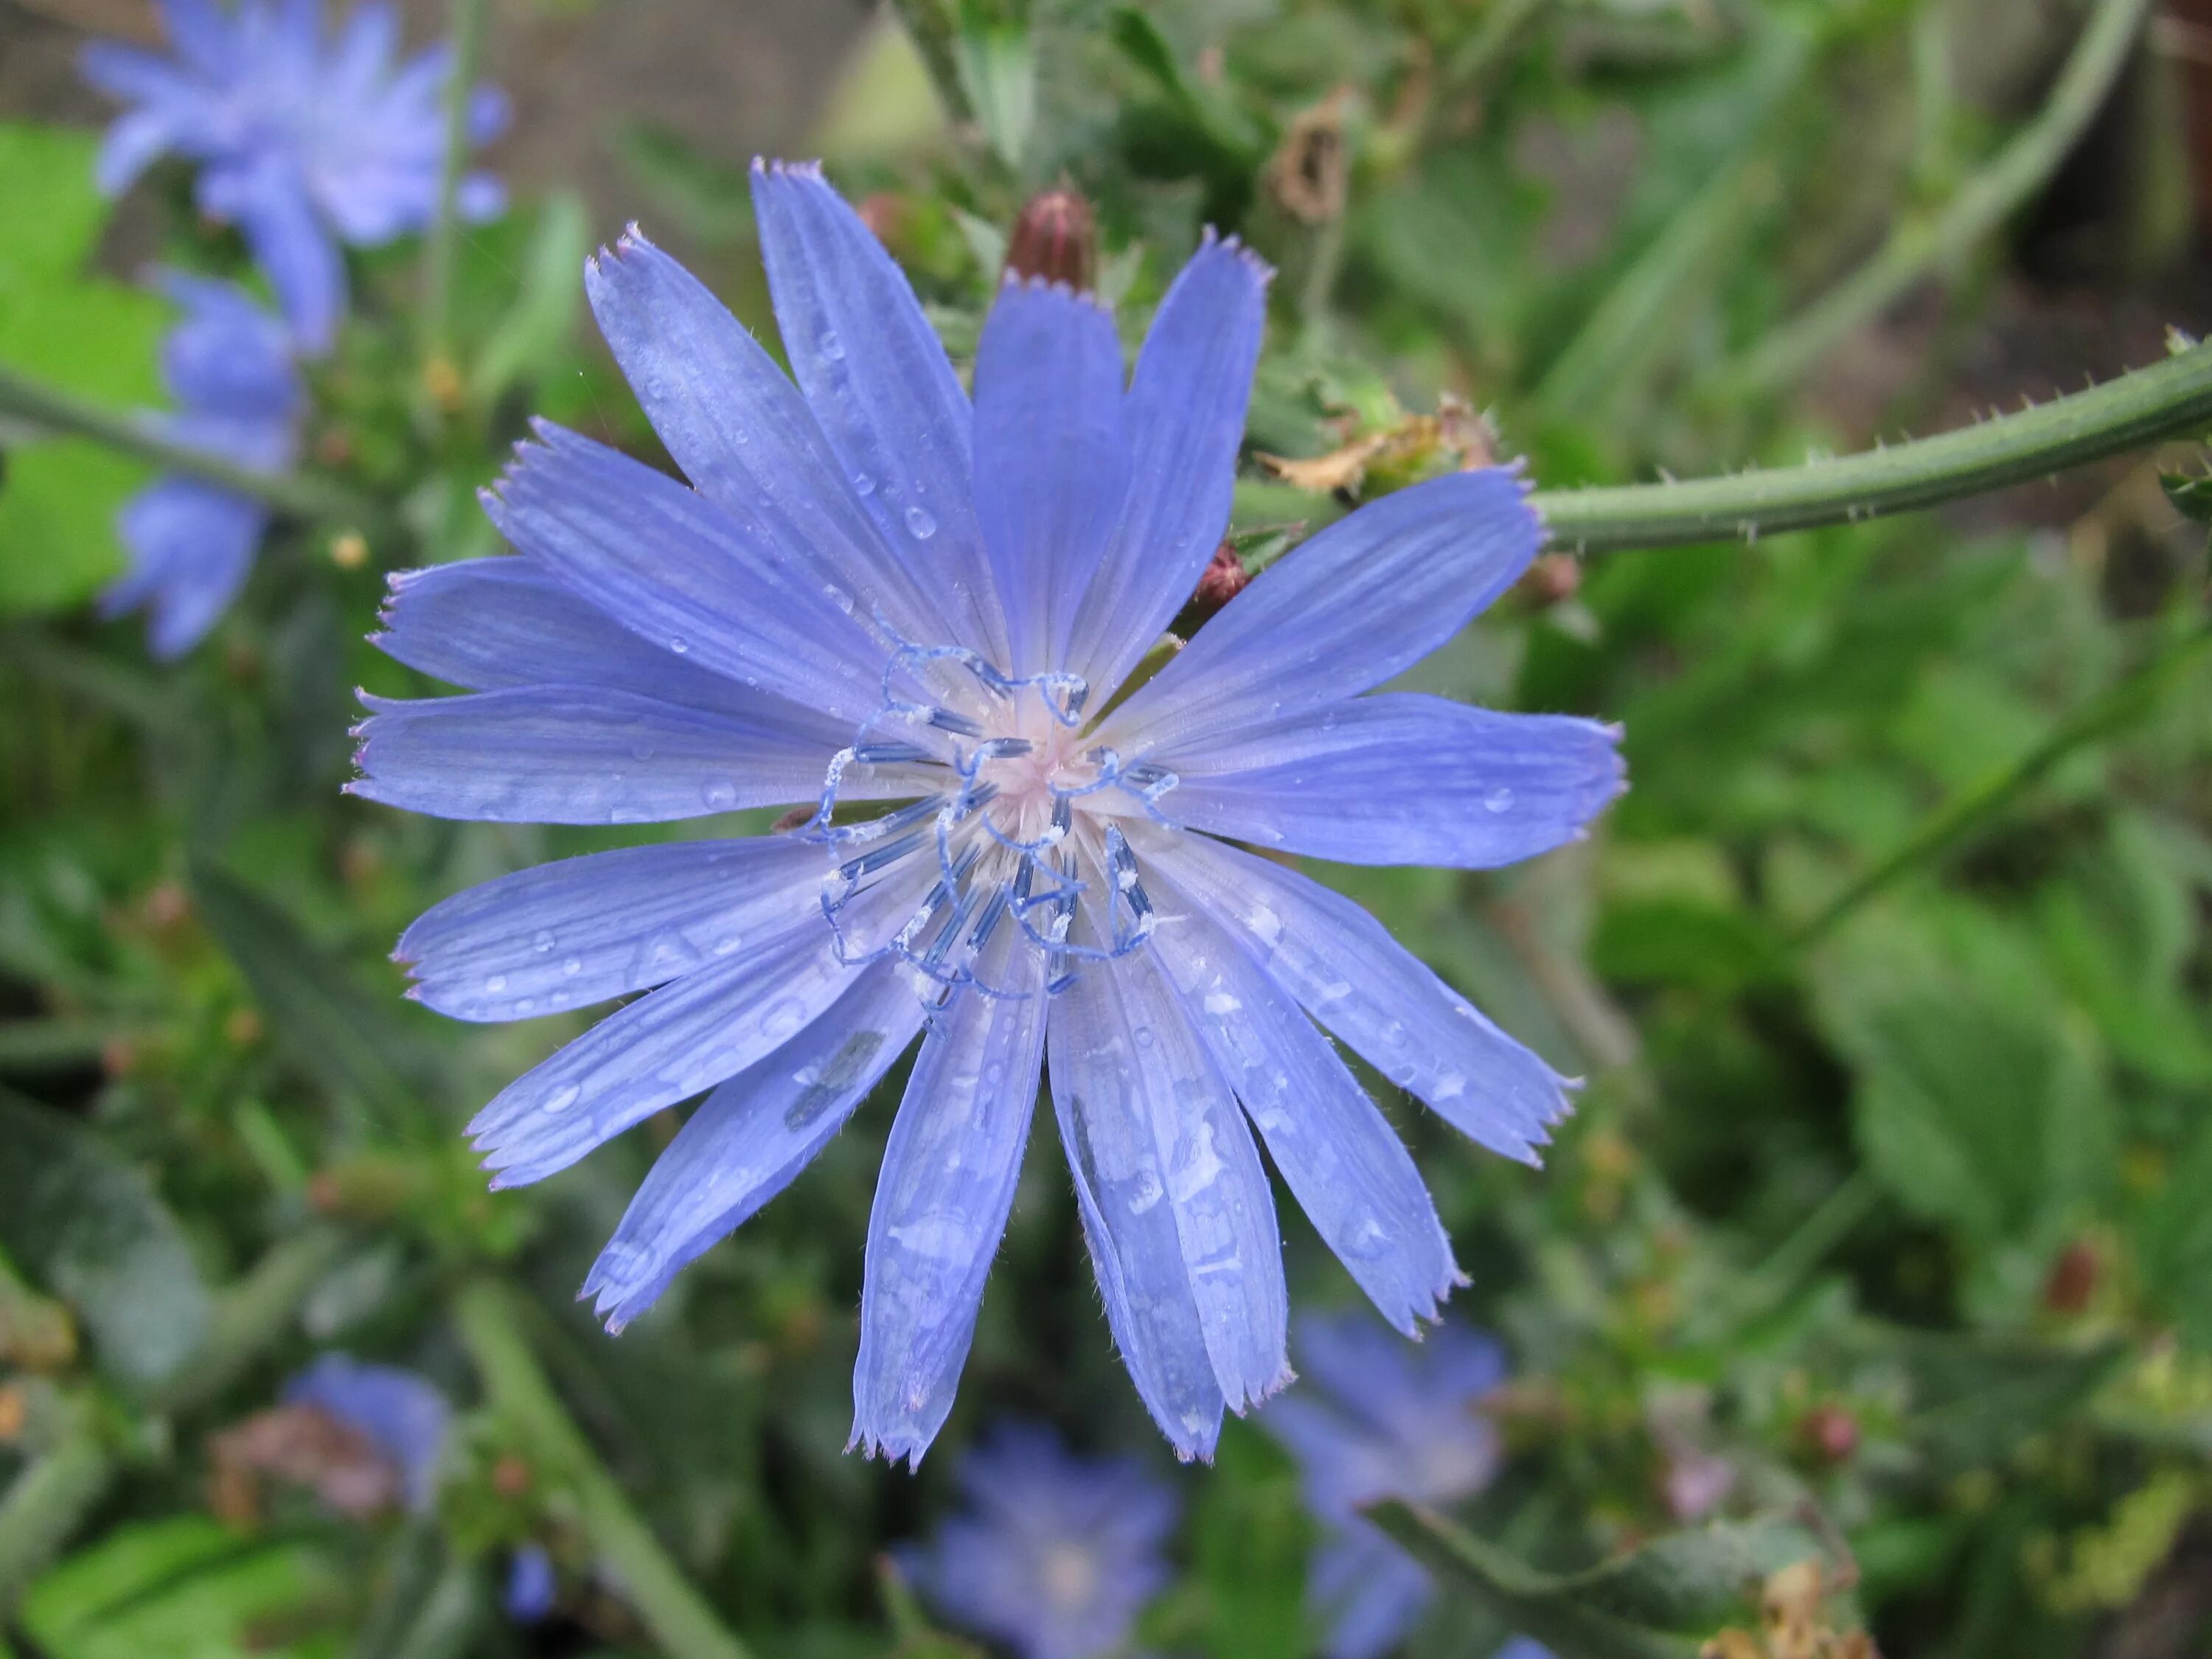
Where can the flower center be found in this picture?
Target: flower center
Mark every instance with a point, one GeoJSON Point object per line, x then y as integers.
{"type": "Point", "coordinates": [1011, 840]}
{"type": "Point", "coordinates": [1069, 1573]}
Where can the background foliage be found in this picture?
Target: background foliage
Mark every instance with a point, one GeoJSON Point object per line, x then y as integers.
{"type": "Point", "coordinates": [1881, 1233]}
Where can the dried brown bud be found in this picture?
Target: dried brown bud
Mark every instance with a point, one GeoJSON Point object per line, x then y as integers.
{"type": "Point", "coordinates": [1553, 577]}
{"type": "Point", "coordinates": [1056, 238]}
{"type": "Point", "coordinates": [1311, 170]}
{"type": "Point", "coordinates": [1223, 578]}
{"type": "Point", "coordinates": [1829, 1432]}
{"type": "Point", "coordinates": [510, 1476]}
{"type": "Point", "coordinates": [885, 214]}
{"type": "Point", "coordinates": [2073, 1278]}
{"type": "Point", "coordinates": [301, 1446]}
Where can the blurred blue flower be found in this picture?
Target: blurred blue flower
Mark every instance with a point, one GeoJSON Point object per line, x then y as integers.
{"type": "Point", "coordinates": [530, 1585]}
{"type": "Point", "coordinates": [874, 592]}
{"type": "Point", "coordinates": [1056, 1554]}
{"type": "Point", "coordinates": [228, 365]}
{"type": "Point", "coordinates": [398, 1411]}
{"type": "Point", "coordinates": [302, 143]}
{"type": "Point", "coordinates": [1377, 1418]}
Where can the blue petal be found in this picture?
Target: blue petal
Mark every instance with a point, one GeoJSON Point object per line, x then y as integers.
{"type": "Point", "coordinates": [295, 250]}
{"type": "Point", "coordinates": [1348, 1170]}
{"type": "Point", "coordinates": [362, 54]}
{"type": "Point", "coordinates": [671, 566]}
{"type": "Point", "coordinates": [750, 1138]}
{"type": "Point", "coordinates": [877, 380]}
{"type": "Point", "coordinates": [134, 75]}
{"type": "Point", "coordinates": [581, 930]}
{"type": "Point", "coordinates": [131, 145]}
{"type": "Point", "coordinates": [667, 1046]}
{"type": "Point", "coordinates": [228, 357]}
{"type": "Point", "coordinates": [739, 429]}
{"type": "Point", "coordinates": [203, 33]}
{"type": "Point", "coordinates": [488, 624]}
{"type": "Point", "coordinates": [1400, 779]}
{"type": "Point", "coordinates": [1185, 416]}
{"type": "Point", "coordinates": [1371, 1591]}
{"type": "Point", "coordinates": [947, 1184]}
{"type": "Point", "coordinates": [1367, 598]}
{"type": "Point", "coordinates": [1052, 466]}
{"type": "Point", "coordinates": [1133, 1241]}
{"type": "Point", "coordinates": [571, 754]}
{"type": "Point", "coordinates": [191, 546]}
{"type": "Point", "coordinates": [1384, 1003]}
{"type": "Point", "coordinates": [530, 1585]}
{"type": "Point", "coordinates": [1209, 1169]}
{"type": "Point", "coordinates": [399, 1411]}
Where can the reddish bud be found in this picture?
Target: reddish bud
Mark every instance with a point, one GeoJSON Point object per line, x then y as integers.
{"type": "Point", "coordinates": [1224, 578]}
{"type": "Point", "coordinates": [1056, 237]}
{"type": "Point", "coordinates": [1829, 1432]}
{"type": "Point", "coordinates": [2073, 1278]}
{"type": "Point", "coordinates": [885, 214]}
{"type": "Point", "coordinates": [1553, 577]}
{"type": "Point", "coordinates": [510, 1476]}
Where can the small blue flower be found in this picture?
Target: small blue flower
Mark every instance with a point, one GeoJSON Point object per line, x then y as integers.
{"type": "Point", "coordinates": [1377, 1418]}
{"type": "Point", "coordinates": [530, 1585]}
{"type": "Point", "coordinates": [1055, 1556]}
{"type": "Point", "coordinates": [399, 1412]}
{"type": "Point", "coordinates": [228, 365]}
{"type": "Point", "coordinates": [875, 592]}
{"type": "Point", "coordinates": [302, 143]}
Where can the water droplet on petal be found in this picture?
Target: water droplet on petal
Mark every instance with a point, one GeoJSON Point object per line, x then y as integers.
{"type": "Point", "coordinates": [679, 644]}
{"type": "Point", "coordinates": [1143, 1036]}
{"type": "Point", "coordinates": [922, 522]}
{"type": "Point", "coordinates": [832, 347]}
{"type": "Point", "coordinates": [863, 484]}
{"type": "Point", "coordinates": [1498, 800]}
{"type": "Point", "coordinates": [495, 984]}
{"type": "Point", "coordinates": [543, 943]}
{"type": "Point", "coordinates": [574, 966]}
{"type": "Point", "coordinates": [719, 796]}
{"type": "Point", "coordinates": [561, 1099]}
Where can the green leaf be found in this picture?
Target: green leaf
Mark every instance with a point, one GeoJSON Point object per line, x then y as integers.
{"type": "Point", "coordinates": [1978, 1399]}
{"type": "Point", "coordinates": [58, 499]}
{"type": "Point", "coordinates": [2174, 1239]}
{"type": "Point", "coordinates": [92, 1232]}
{"type": "Point", "coordinates": [185, 1588]}
{"type": "Point", "coordinates": [335, 1029]}
{"type": "Point", "coordinates": [1655, 1602]}
{"type": "Point", "coordinates": [998, 71]}
{"type": "Point", "coordinates": [538, 325]}
{"type": "Point", "coordinates": [710, 201]}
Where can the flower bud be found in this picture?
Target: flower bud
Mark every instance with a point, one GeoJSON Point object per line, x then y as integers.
{"type": "Point", "coordinates": [1223, 578]}
{"type": "Point", "coordinates": [1056, 238]}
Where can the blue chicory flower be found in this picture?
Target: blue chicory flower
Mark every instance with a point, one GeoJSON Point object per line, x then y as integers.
{"type": "Point", "coordinates": [531, 1585]}
{"type": "Point", "coordinates": [398, 1411]}
{"type": "Point", "coordinates": [1055, 1555]}
{"type": "Point", "coordinates": [876, 591]}
{"type": "Point", "coordinates": [228, 365]}
{"type": "Point", "coordinates": [302, 143]}
{"type": "Point", "coordinates": [1379, 1418]}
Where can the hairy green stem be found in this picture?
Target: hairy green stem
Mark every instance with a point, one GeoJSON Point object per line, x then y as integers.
{"type": "Point", "coordinates": [1981, 206]}
{"type": "Point", "coordinates": [2124, 700]}
{"type": "Point", "coordinates": [2168, 399]}
{"type": "Point", "coordinates": [467, 22]}
{"type": "Point", "coordinates": [680, 1619]}
{"type": "Point", "coordinates": [62, 414]}
{"type": "Point", "coordinates": [47, 1501]}
{"type": "Point", "coordinates": [929, 25]}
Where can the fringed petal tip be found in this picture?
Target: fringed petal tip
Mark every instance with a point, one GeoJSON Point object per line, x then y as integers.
{"type": "Point", "coordinates": [777, 165]}
{"type": "Point", "coordinates": [1267, 1391]}
{"type": "Point", "coordinates": [1012, 278]}
{"type": "Point", "coordinates": [1235, 244]}
{"type": "Point", "coordinates": [892, 1448]}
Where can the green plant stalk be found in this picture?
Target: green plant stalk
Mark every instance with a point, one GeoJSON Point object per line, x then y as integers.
{"type": "Point", "coordinates": [2120, 703]}
{"type": "Point", "coordinates": [1792, 1261]}
{"type": "Point", "coordinates": [681, 1619]}
{"type": "Point", "coordinates": [439, 252]}
{"type": "Point", "coordinates": [47, 1501]}
{"type": "Point", "coordinates": [51, 1499]}
{"type": "Point", "coordinates": [1981, 206]}
{"type": "Point", "coordinates": [1520, 1597]}
{"type": "Point", "coordinates": [929, 24]}
{"type": "Point", "coordinates": [62, 414]}
{"type": "Point", "coordinates": [1472, 64]}
{"type": "Point", "coordinates": [2169, 399]}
